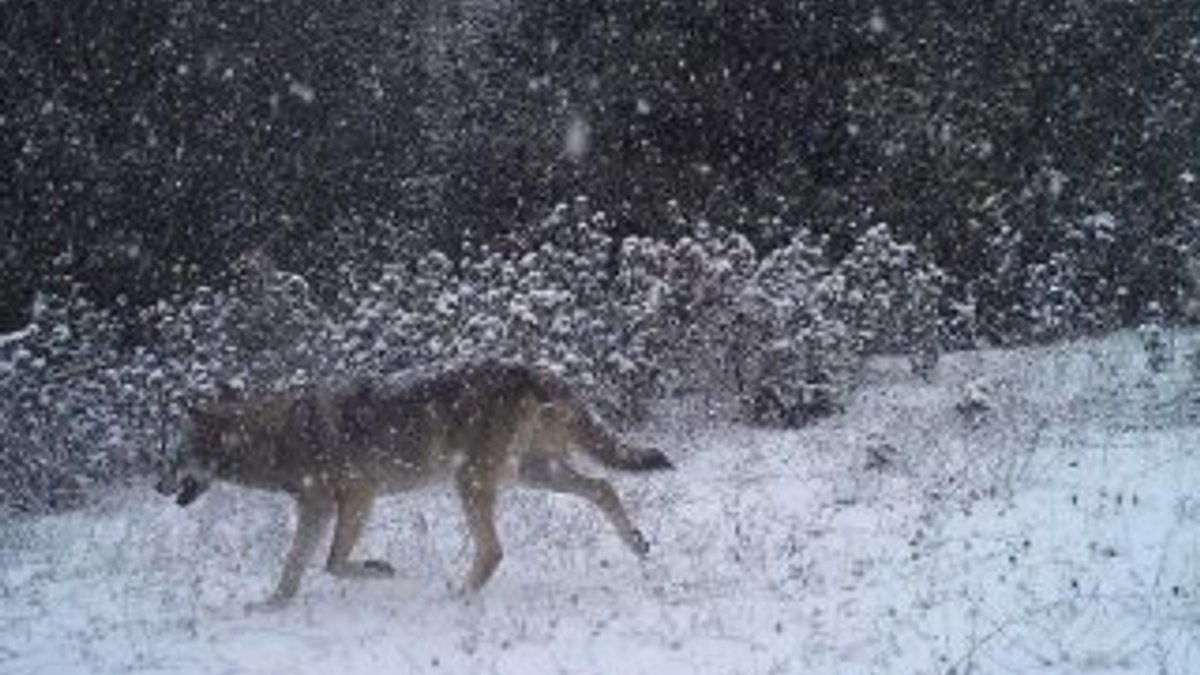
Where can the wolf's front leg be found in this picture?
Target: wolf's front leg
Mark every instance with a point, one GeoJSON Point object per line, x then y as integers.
{"type": "Point", "coordinates": [354, 506]}
{"type": "Point", "coordinates": [313, 514]}
{"type": "Point", "coordinates": [477, 490]}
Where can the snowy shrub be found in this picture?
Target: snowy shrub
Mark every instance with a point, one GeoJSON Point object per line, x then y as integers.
{"type": "Point", "coordinates": [641, 331]}
{"type": "Point", "coordinates": [265, 328]}
{"type": "Point", "coordinates": [798, 356]}
{"type": "Point", "coordinates": [545, 295]}
{"type": "Point", "coordinates": [706, 274]}
{"type": "Point", "coordinates": [1053, 303]}
{"type": "Point", "coordinates": [1056, 286]}
{"type": "Point", "coordinates": [805, 325]}
{"type": "Point", "coordinates": [70, 400]}
{"type": "Point", "coordinates": [893, 298]}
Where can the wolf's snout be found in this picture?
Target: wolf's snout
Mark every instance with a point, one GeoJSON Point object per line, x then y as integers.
{"type": "Point", "coordinates": [185, 489]}
{"type": "Point", "coordinates": [189, 490]}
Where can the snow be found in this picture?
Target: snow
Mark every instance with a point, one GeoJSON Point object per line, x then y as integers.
{"type": "Point", "coordinates": [302, 91]}
{"type": "Point", "coordinates": [1057, 530]}
{"type": "Point", "coordinates": [877, 24]}
{"type": "Point", "coordinates": [578, 138]}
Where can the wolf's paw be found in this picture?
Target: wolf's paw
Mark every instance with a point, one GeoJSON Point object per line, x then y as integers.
{"type": "Point", "coordinates": [366, 569]}
{"type": "Point", "coordinates": [637, 542]}
{"type": "Point", "coordinates": [379, 568]}
{"type": "Point", "coordinates": [271, 604]}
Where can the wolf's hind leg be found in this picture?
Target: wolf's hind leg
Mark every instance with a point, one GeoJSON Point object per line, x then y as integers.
{"type": "Point", "coordinates": [554, 474]}
{"type": "Point", "coordinates": [353, 508]}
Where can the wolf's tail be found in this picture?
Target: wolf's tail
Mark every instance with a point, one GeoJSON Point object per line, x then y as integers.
{"type": "Point", "coordinates": [591, 434]}
{"type": "Point", "coordinates": [598, 442]}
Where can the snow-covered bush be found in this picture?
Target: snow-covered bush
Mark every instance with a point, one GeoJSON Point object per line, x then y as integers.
{"type": "Point", "coordinates": [265, 328]}
{"type": "Point", "coordinates": [641, 331]}
{"type": "Point", "coordinates": [74, 404]}
{"type": "Point", "coordinates": [893, 298]}
{"type": "Point", "coordinates": [784, 313]}
{"type": "Point", "coordinates": [806, 324]}
{"type": "Point", "coordinates": [1060, 284]}
{"type": "Point", "coordinates": [545, 295]}
{"type": "Point", "coordinates": [706, 274]}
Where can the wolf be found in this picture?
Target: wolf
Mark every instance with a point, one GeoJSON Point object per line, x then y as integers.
{"type": "Point", "coordinates": [335, 448]}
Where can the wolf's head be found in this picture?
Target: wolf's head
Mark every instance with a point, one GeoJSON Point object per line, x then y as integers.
{"type": "Point", "coordinates": [195, 466]}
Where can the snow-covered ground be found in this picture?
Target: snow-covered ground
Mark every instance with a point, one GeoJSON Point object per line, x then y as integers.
{"type": "Point", "coordinates": [1052, 526]}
